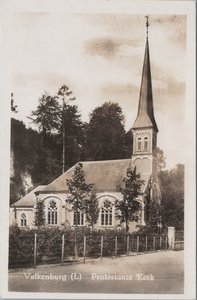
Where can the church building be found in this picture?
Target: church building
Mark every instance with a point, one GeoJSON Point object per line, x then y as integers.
{"type": "Point", "coordinates": [105, 175]}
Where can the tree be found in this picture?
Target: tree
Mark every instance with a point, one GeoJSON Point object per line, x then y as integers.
{"type": "Point", "coordinates": [153, 209]}
{"type": "Point", "coordinates": [128, 144]}
{"type": "Point", "coordinates": [161, 163]}
{"type": "Point", "coordinates": [61, 130]}
{"type": "Point", "coordinates": [129, 207]}
{"type": "Point", "coordinates": [47, 116]}
{"type": "Point", "coordinates": [66, 97]}
{"type": "Point", "coordinates": [79, 195]}
{"type": "Point", "coordinates": [40, 213]}
{"type": "Point", "coordinates": [24, 148]}
{"type": "Point", "coordinates": [74, 136]}
{"type": "Point", "coordinates": [47, 164]}
{"type": "Point", "coordinates": [66, 94]}
{"type": "Point", "coordinates": [172, 188]}
{"type": "Point", "coordinates": [153, 216]}
{"type": "Point", "coordinates": [92, 209]}
{"type": "Point", "coordinates": [79, 190]}
{"type": "Point", "coordinates": [38, 154]}
{"type": "Point", "coordinates": [13, 106]}
{"type": "Point", "coordinates": [106, 133]}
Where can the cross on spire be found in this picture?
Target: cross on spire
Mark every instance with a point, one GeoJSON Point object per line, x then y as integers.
{"type": "Point", "coordinates": [147, 25]}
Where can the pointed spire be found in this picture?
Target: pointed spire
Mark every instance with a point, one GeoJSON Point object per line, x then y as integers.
{"type": "Point", "coordinates": [145, 117]}
{"type": "Point", "coordinates": [147, 25]}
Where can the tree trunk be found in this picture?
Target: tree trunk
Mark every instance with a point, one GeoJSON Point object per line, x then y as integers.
{"type": "Point", "coordinates": [127, 225]}
{"type": "Point", "coordinates": [92, 225]}
{"type": "Point", "coordinates": [63, 139]}
{"type": "Point", "coordinates": [76, 229]}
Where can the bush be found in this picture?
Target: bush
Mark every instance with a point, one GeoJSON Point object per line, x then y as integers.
{"type": "Point", "coordinates": [21, 246]}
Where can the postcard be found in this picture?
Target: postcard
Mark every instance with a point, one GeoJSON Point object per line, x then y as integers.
{"type": "Point", "coordinates": [98, 149]}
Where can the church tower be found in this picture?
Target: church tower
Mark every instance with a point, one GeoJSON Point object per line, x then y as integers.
{"type": "Point", "coordinates": [145, 129]}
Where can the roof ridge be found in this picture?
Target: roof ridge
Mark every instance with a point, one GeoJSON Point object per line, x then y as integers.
{"type": "Point", "coordinates": [104, 161]}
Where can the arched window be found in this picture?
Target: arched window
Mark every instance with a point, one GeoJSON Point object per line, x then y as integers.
{"type": "Point", "coordinates": [139, 144]}
{"type": "Point", "coordinates": [146, 143]}
{"type": "Point", "coordinates": [52, 213]}
{"type": "Point", "coordinates": [79, 218]}
{"type": "Point", "coordinates": [106, 213]}
{"type": "Point", "coordinates": [23, 220]}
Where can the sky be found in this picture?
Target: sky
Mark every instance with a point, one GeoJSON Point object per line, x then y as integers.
{"type": "Point", "coordinates": [100, 57]}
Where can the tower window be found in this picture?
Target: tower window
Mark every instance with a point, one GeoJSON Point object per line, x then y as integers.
{"type": "Point", "coordinates": [145, 143]}
{"type": "Point", "coordinates": [23, 220]}
{"type": "Point", "coordinates": [78, 218]}
{"type": "Point", "coordinates": [52, 213]}
{"type": "Point", "coordinates": [139, 144]}
{"type": "Point", "coordinates": [106, 214]}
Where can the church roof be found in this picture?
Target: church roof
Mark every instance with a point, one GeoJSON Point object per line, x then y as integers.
{"type": "Point", "coordinates": [29, 199]}
{"type": "Point", "coordinates": [105, 175]}
{"type": "Point", "coordinates": [145, 117]}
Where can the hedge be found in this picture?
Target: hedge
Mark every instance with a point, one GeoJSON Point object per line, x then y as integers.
{"type": "Point", "coordinates": [49, 244]}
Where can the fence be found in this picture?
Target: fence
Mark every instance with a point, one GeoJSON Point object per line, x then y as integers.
{"type": "Point", "coordinates": [36, 248]}
{"type": "Point", "coordinates": [179, 240]}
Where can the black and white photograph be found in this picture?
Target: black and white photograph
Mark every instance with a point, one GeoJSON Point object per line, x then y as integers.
{"type": "Point", "coordinates": [100, 120]}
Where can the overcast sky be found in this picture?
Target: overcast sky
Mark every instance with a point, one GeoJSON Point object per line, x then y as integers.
{"type": "Point", "coordinates": [100, 57]}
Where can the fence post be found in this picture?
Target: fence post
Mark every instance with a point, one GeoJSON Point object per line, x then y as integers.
{"type": "Point", "coordinates": [35, 249]}
{"type": "Point", "coordinates": [84, 249]}
{"type": "Point", "coordinates": [116, 246]}
{"type": "Point", "coordinates": [160, 242]}
{"type": "Point", "coordinates": [171, 237]}
{"type": "Point", "coordinates": [154, 243]}
{"type": "Point", "coordinates": [62, 257]}
{"type": "Point", "coordinates": [138, 238]}
{"type": "Point", "coordinates": [127, 244]}
{"type": "Point", "coordinates": [146, 243]}
{"type": "Point", "coordinates": [101, 247]}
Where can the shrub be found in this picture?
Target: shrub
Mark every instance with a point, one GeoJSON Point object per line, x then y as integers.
{"type": "Point", "coordinates": [49, 243]}
{"type": "Point", "coordinates": [21, 246]}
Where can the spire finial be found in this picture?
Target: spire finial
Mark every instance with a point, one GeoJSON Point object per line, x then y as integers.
{"type": "Point", "coordinates": [147, 25]}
